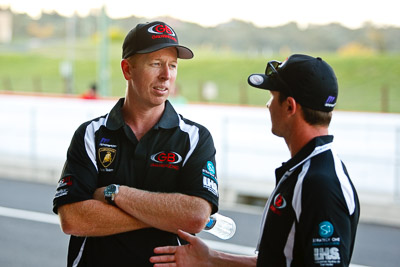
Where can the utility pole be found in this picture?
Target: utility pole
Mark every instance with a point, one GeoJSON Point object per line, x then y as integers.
{"type": "Point", "coordinates": [67, 67]}
{"type": "Point", "coordinates": [103, 67]}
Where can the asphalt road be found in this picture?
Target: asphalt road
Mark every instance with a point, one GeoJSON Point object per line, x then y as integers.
{"type": "Point", "coordinates": [25, 242]}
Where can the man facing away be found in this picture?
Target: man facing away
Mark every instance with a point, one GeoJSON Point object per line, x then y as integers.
{"type": "Point", "coordinates": [136, 175]}
{"type": "Point", "coordinates": [311, 216]}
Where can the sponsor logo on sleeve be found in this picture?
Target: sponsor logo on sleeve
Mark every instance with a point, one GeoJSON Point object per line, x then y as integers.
{"type": "Point", "coordinates": [325, 229]}
{"type": "Point", "coordinates": [63, 186]}
{"type": "Point", "coordinates": [210, 179]}
{"type": "Point", "coordinates": [326, 246]}
{"type": "Point", "coordinates": [326, 256]}
{"type": "Point", "coordinates": [210, 167]}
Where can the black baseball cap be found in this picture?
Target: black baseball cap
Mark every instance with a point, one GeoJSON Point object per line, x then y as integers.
{"type": "Point", "coordinates": [150, 37]}
{"type": "Point", "coordinates": [310, 81]}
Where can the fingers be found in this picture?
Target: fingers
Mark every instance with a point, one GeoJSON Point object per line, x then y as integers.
{"type": "Point", "coordinates": [193, 240]}
{"type": "Point", "coordinates": [166, 260]}
{"type": "Point", "coordinates": [165, 250]}
{"type": "Point", "coordinates": [165, 265]}
{"type": "Point", "coordinates": [186, 236]}
{"type": "Point", "coordinates": [167, 257]}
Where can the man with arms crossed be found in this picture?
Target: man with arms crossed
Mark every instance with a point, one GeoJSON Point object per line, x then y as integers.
{"type": "Point", "coordinates": [311, 217]}
{"type": "Point", "coordinates": [136, 175]}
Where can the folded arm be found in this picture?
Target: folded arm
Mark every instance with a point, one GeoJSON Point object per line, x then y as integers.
{"type": "Point", "coordinates": [165, 211]}
{"type": "Point", "coordinates": [136, 209]}
{"type": "Point", "coordinates": [95, 218]}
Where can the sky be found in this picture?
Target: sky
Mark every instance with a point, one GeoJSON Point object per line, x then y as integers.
{"type": "Point", "coordinates": [262, 13]}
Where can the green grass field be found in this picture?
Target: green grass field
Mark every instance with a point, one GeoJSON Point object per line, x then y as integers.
{"type": "Point", "coordinates": [366, 83]}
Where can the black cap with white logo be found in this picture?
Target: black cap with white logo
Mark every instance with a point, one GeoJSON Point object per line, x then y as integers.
{"type": "Point", "coordinates": [310, 81]}
{"type": "Point", "coordinates": [150, 37]}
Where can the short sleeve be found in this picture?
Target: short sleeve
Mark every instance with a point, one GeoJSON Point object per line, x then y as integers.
{"type": "Point", "coordinates": [78, 179]}
{"type": "Point", "coordinates": [198, 176]}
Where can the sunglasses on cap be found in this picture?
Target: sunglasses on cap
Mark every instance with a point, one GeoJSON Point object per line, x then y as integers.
{"type": "Point", "coordinates": [271, 70]}
{"type": "Point", "coordinates": [272, 67]}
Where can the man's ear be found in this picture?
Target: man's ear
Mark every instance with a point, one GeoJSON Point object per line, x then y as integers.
{"type": "Point", "coordinates": [291, 105]}
{"type": "Point", "coordinates": [126, 70]}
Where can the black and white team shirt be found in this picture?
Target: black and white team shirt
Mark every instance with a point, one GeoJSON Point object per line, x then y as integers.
{"type": "Point", "coordinates": [311, 217]}
{"type": "Point", "coordinates": [175, 156]}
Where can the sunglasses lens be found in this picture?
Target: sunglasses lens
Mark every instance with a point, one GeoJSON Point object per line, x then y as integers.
{"type": "Point", "coordinates": [271, 67]}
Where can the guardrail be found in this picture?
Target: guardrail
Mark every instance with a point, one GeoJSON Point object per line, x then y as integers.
{"type": "Point", "coordinates": [35, 133]}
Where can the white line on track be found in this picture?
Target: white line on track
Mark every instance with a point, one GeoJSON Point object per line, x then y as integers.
{"type": "Point", "coordinates": [29, 215]}
{"type": "Point", "coordinates": [53, 219]}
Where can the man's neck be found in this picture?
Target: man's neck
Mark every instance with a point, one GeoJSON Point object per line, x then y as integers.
{"type": "Point", "coordinates": [302, 136]}
{"type": "Point", "coordinates": [140, 119]}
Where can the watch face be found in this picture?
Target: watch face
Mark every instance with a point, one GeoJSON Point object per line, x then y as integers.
{"type": "Point", "coordinates": [109, 190]}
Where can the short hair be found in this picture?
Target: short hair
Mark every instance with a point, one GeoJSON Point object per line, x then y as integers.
{"type": "Point", "coordinates": [311, 116]}
{"type": "Point", "coordinates": [316, 117]}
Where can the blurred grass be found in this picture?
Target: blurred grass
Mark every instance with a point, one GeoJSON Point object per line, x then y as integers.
{"type": "Point", "coordinates": [362, 78]}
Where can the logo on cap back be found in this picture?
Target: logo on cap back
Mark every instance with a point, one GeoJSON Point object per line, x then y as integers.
{"type": "Point", "coordinates": [330, 102]}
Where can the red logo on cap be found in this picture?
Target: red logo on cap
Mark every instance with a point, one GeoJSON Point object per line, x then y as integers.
{"type": "Point", "coordinates": [161, 29]}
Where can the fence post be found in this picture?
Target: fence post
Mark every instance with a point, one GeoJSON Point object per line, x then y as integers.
{"type": "Point", "coordinates": [397, 166]}
{"type": "Point", "coordinates": [33, 134]}
{"type": "Point", "coordinates": [225, 146]}
{"type": "Point", "coordinates": [7, 83]}
{"type": "Point", "coordinates": [384, 99]}
{"type": "Point", "coordinates": [243, 97]}
{"type": "Point", "coordinates": [37, 84]}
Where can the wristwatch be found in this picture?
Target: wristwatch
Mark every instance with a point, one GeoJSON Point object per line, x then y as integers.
{"type": "Point", "coordinates": [110, 192]}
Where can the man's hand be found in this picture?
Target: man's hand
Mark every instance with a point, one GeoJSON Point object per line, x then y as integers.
{"type": "Point", "coordinates": [196, 253]}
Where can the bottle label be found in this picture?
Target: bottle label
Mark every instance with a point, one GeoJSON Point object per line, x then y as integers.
{"type": "Point", "coordinates": [210, 223]}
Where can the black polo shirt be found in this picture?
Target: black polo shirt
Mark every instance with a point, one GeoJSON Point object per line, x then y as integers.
{"type": "Point", "coordinates": [311, 217]}
{"type": "Point", "coordinates": [175, 156]}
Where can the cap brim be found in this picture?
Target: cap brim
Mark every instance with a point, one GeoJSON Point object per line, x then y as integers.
{"type": "Point", "coordinates": [263, 81]}
{"type": "Point", "coordinates": [183, 52]}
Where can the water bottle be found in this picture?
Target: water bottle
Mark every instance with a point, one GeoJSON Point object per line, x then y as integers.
{"type": "Point", "coordinates": [220, 226]}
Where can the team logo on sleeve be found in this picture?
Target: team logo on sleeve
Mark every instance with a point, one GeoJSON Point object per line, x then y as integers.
{"type": "Point", "coordinates": [106, 156]}
{"type": "Point", "coordinates": [326, 246]}
{"type": "Point", "coordinates": [63, 186]}
{"type": "Point", "coordinates": [210, 179]}
{"type": "Point", "coordinates": [325, 229]}
{"type": "Point", "coordinates": [210, 167]}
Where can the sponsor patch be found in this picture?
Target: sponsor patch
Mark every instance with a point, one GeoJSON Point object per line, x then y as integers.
{"type": "Point", "coordinates": [209, 178]}
{"type": "Point", "coordinates": [325, 229]}
{"type": "Point", "coordinates": [61, 192]}
{"type": "Point", "coordinates": [326, 256]}
{"type": "Point", "coordinates": [106, 156]}
{"type": "Point", "coordinates": [166, 159]}
{"type": "Point", "coordinates": [63, 186]}
{"type": "Point", "coordinates": [326, 247]}
{"type": "Point", "coordinates": [66, 181]}
{"type": "Point", "coordinates": [278, 204]}
{"type": "Point", "coordinates": [210, 167]}
{"type": "Point", "coordinates": [211, 185]}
